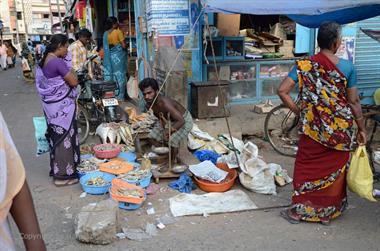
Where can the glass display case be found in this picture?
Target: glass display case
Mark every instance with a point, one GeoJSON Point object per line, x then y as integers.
{"type": "Point", "coordinates": [251, 81]}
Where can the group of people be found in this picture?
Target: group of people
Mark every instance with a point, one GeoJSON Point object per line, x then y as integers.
{"type": "Point", "coordinates": [8, 54]}
{"type": "Point", "coordinates": [328, 109]}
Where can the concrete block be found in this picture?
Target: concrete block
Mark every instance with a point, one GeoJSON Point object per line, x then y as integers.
{"type": "Point", "coordinates": [97, 222]}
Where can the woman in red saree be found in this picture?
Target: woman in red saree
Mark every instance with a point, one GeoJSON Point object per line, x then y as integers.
{"type": "Point", "coordinates": [329, 105]}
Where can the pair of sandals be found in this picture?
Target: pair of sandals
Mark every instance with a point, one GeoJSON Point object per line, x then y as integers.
{"type": "Point", "coordinates": [63, 183]}
{"type": "Point", "coordinates": [292, 219]}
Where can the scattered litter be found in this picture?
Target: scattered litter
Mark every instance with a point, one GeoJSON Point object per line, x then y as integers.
{"type": "Point", "coordinates": [150, 211]}
{"type": "Point", "coordinates": [121, 235]}
{"type": "Point", "coordinates": [281, 176]}
{"type": "Point", "coordinates": [163, 189]}
{"type": "Point", "coordinates": [376, 193]}
{"type": "Point", "coordinates": [136, 234]}
{"type": "Point", "coordinates": [5, 94]}
{"type": "Point", "coordinates": [67, 209]}
{"type": "Point", "coordinates": [192, 223]}
{"type": "Point", "coordinates": [192, 204]}
{"type": "Point", "coordinates": [206, 215]}
{"type": "Point", "coordinates": [152, 189]}
{"type": "Point", "coordinates": [69, 216]}
{"type": "Point", "coordinates": [160, 200]}
{"type": "Point", "coordinates": [208, 171]}
{"type": "Point", "coordinates": [151, 229]}
{"type": "Point", "coordinates": [150, 203]}
{"type": "Point", "coordinates": [82, 195]}
{"type": "Point", "coordinates": [64, 222]}
{"type": "Point", "coordinates": [166, 220]}
{"type": "Point", "coordinates": [184, 184]}
{"type": "Point", "coordinates": [160, 226]}
{"type": "Point", "coordinates": [125, 219]}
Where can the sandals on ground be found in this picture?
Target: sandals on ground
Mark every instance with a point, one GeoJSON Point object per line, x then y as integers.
{"type": "Point", "coordinates": [62, 183]}
{"type": "Point", "coordinates": [291, 219]}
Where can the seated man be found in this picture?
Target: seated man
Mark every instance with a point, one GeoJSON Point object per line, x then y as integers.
{"type": "Point", "coordinates": [165, 109]}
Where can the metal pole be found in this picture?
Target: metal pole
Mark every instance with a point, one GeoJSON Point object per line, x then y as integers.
{"type": "Point", "coordinates": [51, 18]}
{"type": "Point", "coordinates": [25, 23]}
{"type": "Point", "coordinates": [17, 30]}
{"type": "Point", "coordinates": [59, 14]}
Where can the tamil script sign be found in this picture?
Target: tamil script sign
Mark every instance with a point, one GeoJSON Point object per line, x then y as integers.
{"type": "Point", "coordinates": [168, 17]}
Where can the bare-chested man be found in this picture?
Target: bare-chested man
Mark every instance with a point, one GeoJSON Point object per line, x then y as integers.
{"type": "Point", "coordinates": [164, 109]}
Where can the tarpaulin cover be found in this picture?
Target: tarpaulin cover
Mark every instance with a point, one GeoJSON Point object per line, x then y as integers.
{"type": "Point", "coordinates": [309, 13]}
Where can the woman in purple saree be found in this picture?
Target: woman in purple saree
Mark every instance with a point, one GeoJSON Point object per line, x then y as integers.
{"type": "Point", "coordinates": [56, 85]}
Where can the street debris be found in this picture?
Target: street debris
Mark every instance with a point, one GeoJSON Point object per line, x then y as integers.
{"type": "Point", "coordinates": [192, 204]}
{"type": "Point", "coordinates": [96, 223]}
{"type": "Point", "coordinates": [150, 211]}
{"type": "Point", "coordinates": [82, 195]}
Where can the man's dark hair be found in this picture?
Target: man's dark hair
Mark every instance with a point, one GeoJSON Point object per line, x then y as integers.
{"type": "Point", "coordinates": [148, 82]}
{"type": "Point", "coordinates": [84, 33]}
{"type": "Point", "coordinates": [328, 34]}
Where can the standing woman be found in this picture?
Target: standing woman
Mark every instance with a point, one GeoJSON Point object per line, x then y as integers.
{"type": "Point", "coordinates": [56, 85]}
{"type": "Point", "coordinates": [115, 56]}
{"type": "Point", "coordinates": [329, 107]}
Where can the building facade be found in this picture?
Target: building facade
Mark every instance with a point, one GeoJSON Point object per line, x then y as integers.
{"type": "Point", "coordinates": [30, 19]}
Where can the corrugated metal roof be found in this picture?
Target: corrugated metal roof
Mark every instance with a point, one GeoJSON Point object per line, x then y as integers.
{"type": "Point", "coordinates": [367, 58]}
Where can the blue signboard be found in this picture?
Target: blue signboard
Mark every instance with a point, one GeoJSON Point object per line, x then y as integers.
{"type": "Point", "coordinates": [168, 17]}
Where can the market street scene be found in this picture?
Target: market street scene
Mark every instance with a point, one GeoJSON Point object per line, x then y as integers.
{"type": "Point", "coordinates": [189, 125]}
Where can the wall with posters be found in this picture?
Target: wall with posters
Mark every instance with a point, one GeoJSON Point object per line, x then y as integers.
{"type": "Point", "coordinates": [173, 23]}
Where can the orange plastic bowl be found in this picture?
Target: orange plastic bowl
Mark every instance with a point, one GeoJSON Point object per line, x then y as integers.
{"type": "Point", "coordinates": [225, 185]}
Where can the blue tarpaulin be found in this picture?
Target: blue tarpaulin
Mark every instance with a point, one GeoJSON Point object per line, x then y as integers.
{"type": "Point", "coordinates": [309, 13]}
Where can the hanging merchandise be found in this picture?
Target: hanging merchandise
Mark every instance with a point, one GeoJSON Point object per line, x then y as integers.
{"type": "Point", "coordinates": [89, 12]}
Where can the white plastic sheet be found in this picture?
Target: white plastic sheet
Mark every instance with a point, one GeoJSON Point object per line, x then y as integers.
{"type": "Point", "coordinates": [209, 203]}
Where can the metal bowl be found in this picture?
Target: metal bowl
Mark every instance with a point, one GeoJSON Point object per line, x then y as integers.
{"type": "Point", "coordinates": [161, 150]}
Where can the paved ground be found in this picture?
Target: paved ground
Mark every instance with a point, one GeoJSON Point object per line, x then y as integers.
{"type": "Point", "coordinates": [358, 229]}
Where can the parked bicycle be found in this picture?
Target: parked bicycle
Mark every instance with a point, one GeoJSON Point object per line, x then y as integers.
{"type": "Point", "coordinates": [281, 131]}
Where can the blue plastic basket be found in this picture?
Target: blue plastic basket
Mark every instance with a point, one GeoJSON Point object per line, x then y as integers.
{"type": "Point", "coordinates": [144, 182]}
{"type": "Point", "coordinates": [96, 189]}
{"type": "Point", "coordinates": [131, 206]}
{"type": "Point", "coordinates": [81, 174]}
{"type": "Point", "coordinates": [128, 156]}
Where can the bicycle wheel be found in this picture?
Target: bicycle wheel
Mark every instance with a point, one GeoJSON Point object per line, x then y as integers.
{"type": "Point", "coordinates": [83, 124]}
{"type": "Point", "coordinates": [281, 130]}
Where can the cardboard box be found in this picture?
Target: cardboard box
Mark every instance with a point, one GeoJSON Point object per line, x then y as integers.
{"type": "Point", "coordinates": [228, 24]}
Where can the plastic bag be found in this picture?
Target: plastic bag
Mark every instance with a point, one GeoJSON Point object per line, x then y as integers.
{"type": "Point", "coordinates": [25, 65]}
{"type": "Point", "coordinates": [257, 177]}
{"type": "Point", "coordinates": [40, 127]}
{"type": "Point", "coordinates": [359, 176]}
{"type": "Point", "coordinates": [133, 88]}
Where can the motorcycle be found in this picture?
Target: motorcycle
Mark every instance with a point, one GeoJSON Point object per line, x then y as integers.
{"type": "Point", "coordinates": [98, 99]}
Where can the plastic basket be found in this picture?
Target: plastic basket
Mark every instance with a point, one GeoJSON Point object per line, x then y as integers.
{"type": "Point", "coordinates": [225, 185]}
{"type": "Point", "coordinates": [128, 156]}
{"type": "Point", "coordinates": [124, 167]}
{"type": "Point", "coordinates": [96, 189]}
{"type": "Point", "coordinates": [81, 174]}
{"type": "Point", "coordinates": [118, 183]}
{"type": "Point", "coordinates": [131, 206]}
{"type": "Point", "coordinates": [144, 182]}
{"type": "Point", "coordinates": [106, 154]}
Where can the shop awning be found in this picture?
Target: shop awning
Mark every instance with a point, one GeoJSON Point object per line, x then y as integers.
{"type": "Point", "coordinates": [309, 13]}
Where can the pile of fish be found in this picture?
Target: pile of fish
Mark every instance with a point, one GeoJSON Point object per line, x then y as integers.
{"type": "Point", "coordinates": [128, 192]}
{"type": "Point", "coordinates": [88, 165]}
{"type": "Point", "coordinates": [143, 122]}
{"type": "Point", "coordinates": [97, 181]}
{"type": "Point", "coordinates": [115, 133]}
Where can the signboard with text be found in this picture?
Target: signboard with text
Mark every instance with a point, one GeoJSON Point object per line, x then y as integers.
{"type": "Point", "coordinates": [168, 17]}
